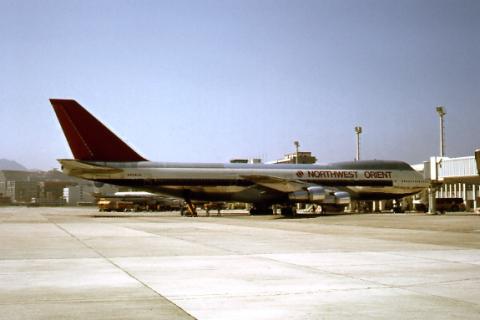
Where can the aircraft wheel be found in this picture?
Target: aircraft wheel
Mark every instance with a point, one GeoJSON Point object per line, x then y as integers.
{"type": "Point", "coordinates": [288, 211]}
{"type": "Point", "coordinates": [261, 210]}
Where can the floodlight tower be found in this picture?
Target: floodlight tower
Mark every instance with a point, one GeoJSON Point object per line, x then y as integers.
{"type": "Point", "coordinates": [297, 144]}
{"type": "Point", "coordinates": [358, 131]}
{"type": "Point", "coordinates": [441, 112]}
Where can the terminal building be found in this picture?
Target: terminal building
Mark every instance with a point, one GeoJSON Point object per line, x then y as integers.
{"type": "Point", "coordinates": [303, 157]}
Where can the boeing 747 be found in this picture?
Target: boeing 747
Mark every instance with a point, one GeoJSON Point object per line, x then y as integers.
{"type": "Point", "coordinates": [101, 156]}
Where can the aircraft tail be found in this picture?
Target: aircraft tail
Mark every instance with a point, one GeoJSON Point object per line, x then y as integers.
{"type": "Point", "coordinates": [88, 138]}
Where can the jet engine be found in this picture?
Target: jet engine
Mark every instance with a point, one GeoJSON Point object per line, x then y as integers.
{"type": "Point", "coordinates": [319, 195]}
{"type": "Point", "coordinates": [98, 184]}
{"type": "Point", "coordinates": [342, 197]}
{"type": "Point", "coordinates": [311, 194]}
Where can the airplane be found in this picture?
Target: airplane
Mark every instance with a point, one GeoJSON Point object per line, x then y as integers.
{"type": "Point", "coordinates": [101, 156]}
{"type": "Point", "coordinates": [137, 200]}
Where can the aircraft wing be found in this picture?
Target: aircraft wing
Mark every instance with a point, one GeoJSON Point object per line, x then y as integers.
{"type": "Point", "coordinates": [278, 184]}
{"type": "Point", "coordinates": [300, 191]}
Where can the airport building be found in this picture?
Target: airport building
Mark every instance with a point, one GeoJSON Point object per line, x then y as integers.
{"type": "Point", "coordinates": [33, 186]}
{"type": "Point", "coordinates": [84, 193]}
{"type": "Point", "coordinates": [301, 157]}
{"type": "Point", "coordinates": [51, 188]}
{"type": "Point", "coordinates": [19, 186]}
{"type": "Point", "coordinates": [244, 160]}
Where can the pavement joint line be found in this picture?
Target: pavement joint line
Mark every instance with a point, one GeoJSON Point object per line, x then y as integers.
{"type": "Point", "coordinates": [302, 221]}
{"type": "Point", "coordinates": [234, 221]}
{"type": "Point", "coordinates": [267, 224]}
{"type": "Point", "coordinates": [121, 269]}
{"type": "Point", "coordinates": [319, 270]}
{"type": "Point", "coordinates": [438, 259]}
{"type": "Point", "coordinates": [232, 252]}
{"type": "Point", "coordinates": [376, 283]}
{"type": "Point", "coordinates": [37, 301]}
{"type": "Point", "coordinates": [316, 269]}
{"type": "Point", "coordinates": [438, 282]}
{"type": "Point", "coordinates": [276, 229]}
{"type": "Point", "coordinates": [270, 294]}
{"type": "Point", "coordinates": [242, 254]}
{"type": "Point", "coordinates": [412, 289]}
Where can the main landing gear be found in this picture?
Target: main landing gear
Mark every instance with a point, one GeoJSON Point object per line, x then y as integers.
{"type": "Point", "coordinates": [261, 209]}
{"type": "Point", "coordinates": [192, 210]}
{"type": "Point", "coordinates": [288, 211]}
{"type": "Point", "coordinates": [397, 207]}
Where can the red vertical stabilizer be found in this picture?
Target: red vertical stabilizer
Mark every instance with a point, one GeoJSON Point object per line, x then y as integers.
{"type": "Point", "coordinates": [88, 138]}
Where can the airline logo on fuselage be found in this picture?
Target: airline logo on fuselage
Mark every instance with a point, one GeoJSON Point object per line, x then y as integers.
{"type": "Point", "coordinates": [345, 174]}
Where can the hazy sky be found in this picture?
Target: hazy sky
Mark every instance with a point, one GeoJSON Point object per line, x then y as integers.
{"type": "Point", "coordinates": [207, 81]}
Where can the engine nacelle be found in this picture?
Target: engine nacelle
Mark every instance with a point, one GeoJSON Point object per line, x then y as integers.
{"type": "Point", "coordinates": [319, 195]}
{"type": "Point", "coordinates": [342, 197]}
{"type": "Point", "coordinates": [312, 195]}
{"type": "Point", "coordinates": [98, 184]}
{"type": "Point", "coordinates": [316, 194]}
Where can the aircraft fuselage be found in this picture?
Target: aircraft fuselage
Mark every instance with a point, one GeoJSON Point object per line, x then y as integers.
{"type": "Point", "coordinates": [364, 180]}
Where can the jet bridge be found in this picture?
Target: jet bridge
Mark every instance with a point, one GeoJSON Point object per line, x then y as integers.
{"type": "Point", "coordinates": [454, 178]}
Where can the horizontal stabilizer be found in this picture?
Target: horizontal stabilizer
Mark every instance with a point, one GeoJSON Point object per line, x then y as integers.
{"type": "Point", "coordinates": [78, 168]}
{"type": "Point", "coordinates": [87, 137]}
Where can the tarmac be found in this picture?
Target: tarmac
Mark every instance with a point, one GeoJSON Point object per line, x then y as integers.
{"type": "Point", "coordinates": [77, 263]}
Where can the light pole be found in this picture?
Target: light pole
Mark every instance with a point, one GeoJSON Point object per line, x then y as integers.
{"type": "Point", "coordinates": [441, 112]}
{"type": "Point", "coordinates": [432, 201]}
{"type": "Point", "coordinates": [297, 144]}
{"type": "Point", "coordinates": [358, 131]}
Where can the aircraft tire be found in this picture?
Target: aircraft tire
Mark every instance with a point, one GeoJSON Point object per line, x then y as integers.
{"type": "Point", "coordinates": [261, 211]}
{"type": "Point", "coordinates": [288, 212]}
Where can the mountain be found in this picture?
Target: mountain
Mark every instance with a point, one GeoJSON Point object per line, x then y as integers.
{"type": "Point", "coordinates": [6, 164]}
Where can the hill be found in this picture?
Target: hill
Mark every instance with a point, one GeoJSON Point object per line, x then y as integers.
{"type": "Point", "coordinates": [6, 164]}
